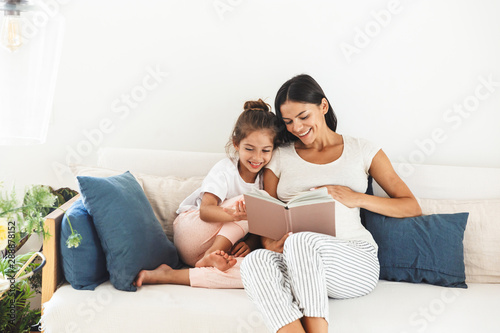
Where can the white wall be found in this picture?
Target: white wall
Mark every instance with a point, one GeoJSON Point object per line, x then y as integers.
{"type": "Point", "coordinates": [397, 87]}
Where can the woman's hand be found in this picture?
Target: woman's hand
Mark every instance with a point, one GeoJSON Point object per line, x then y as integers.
{"type": "Point", "coordinates": [238, 210]}
{"type": "Point", "coordinates": [275, 245]}
{"type": "Point", "coordinates": [240, 249]}
{"type": "Point", "coordinates": [344, 195]}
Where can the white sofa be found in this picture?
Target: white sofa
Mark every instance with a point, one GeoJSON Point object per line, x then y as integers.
{"type": "Point", "coordinates": [392, 307]}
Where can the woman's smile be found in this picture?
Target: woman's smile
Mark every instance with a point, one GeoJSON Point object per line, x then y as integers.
{"type": "Point", "coordinates": [304, 133]}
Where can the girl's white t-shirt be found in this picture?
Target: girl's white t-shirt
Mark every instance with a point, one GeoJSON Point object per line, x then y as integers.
{"type": "Point", "coordinates": [350, 169]}
{"type": "Point", "coordinates": [223, 181]}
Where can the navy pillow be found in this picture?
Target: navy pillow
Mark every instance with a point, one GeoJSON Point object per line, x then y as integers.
{"type": "Point", "coordinates": [130, 234]}
{"type": "Point", "coordinates": [84, 267]}
{"type": "Point", "coordinates": [426, 248]}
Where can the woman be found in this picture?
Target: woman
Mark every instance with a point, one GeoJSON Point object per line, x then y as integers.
{"type": "Point", "coordinates": [291, 279]}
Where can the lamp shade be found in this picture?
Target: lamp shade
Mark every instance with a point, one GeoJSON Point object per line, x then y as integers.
{"type": "Point", "coordinates": [28, 77]}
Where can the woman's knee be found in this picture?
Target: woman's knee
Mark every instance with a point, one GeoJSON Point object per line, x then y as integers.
{"type": "Point", "coordinates": [299, 240]}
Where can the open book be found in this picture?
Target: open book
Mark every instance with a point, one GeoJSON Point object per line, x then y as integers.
{"type": "Point", "coordinates": [307, 211]}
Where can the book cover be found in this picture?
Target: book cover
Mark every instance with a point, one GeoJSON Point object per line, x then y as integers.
{"type": "Point", "coordinates": [308, 211]}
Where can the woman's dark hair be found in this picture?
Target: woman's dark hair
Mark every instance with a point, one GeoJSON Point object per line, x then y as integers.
{"type": "Point", "coordinates": [256, 116]}
{"type": "Point", "coordinates": [303, 89]}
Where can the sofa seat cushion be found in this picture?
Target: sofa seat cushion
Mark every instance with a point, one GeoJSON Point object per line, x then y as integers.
{"type": "Point", "coordinates": [391, 307]}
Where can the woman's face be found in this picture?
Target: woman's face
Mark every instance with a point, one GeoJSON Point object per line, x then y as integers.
{"type": "Point", "coordinates": [305, 121]}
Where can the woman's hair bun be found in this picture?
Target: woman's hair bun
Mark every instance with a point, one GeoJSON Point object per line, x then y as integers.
{"type": "Point", "coordinates": [259, 105]}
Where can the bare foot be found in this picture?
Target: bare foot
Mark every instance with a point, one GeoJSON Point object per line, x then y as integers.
{"type": "Point", "coordinates": [218, 259]}
{"type": "Point", "coordinates": [158, 275]}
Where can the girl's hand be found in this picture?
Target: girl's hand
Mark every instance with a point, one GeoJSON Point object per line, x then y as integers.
{"type": "Point", "coordinates": [275, 245]}
{"type": "Point", "coordinates": [238, 211]}
{"type": "Point", "coordinates": [344, 195]}
{"type": "Point", "coordinates": [240, 249]}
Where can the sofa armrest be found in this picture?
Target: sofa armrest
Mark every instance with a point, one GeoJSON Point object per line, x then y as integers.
{"type": "Point", "coordinates": [51, 272]}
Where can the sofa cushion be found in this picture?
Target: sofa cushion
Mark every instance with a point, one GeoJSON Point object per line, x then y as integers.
{"type": "Point", "coordinates": [130, 234]}
{"type": "Point", "coordinates": [84, 267]}
{"type": "Point", "coordinates": [481, 238]}
{"type": "Point", "coordinates": [425, 249]}
{"type": "Point", "coordinates": [164, 193]}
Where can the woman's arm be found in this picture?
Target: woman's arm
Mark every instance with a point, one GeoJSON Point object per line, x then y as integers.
{"type": "Point", "coordinates": [210, 211]}
{"type": "Point", "coordinates": [401, 203]}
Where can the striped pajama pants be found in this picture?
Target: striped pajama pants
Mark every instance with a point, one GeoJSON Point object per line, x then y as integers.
{"type": "Point", "coordinates": [313, 267]}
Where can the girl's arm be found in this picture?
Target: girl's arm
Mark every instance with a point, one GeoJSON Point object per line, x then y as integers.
{"type": "Point", "coordinates": [210, 211]}
{"type": "Point", "coordinates": [401, 203]}
{"type": "Point", "coordinates": [271, 187]}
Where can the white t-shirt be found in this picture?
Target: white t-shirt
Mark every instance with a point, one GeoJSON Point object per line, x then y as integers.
{"type": "Point", "coordinates": [223, 181]}
{"type": "Point", "coordinates": [350, 169]}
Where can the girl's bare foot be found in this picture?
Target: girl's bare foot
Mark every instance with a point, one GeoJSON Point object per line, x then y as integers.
{"type": "Point", "coordinates": [218, 259]}
{"type": "Point", "coordinates": [161, 274]}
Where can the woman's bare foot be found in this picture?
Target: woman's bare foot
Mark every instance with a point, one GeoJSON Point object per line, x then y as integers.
{"type": "Point", "coordinates": [161, 274]}
{"type": "Point", "coordinates": [218, 259]}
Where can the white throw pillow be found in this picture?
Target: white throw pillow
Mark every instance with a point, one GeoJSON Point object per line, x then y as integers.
{"type": "Point", "coordinates": [164, 193]}
{"type": "Point", "coordinates": [481, 238]}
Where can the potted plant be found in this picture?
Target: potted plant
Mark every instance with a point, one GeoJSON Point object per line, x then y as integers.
{"type": "Point", "coordinates": [18, 279]}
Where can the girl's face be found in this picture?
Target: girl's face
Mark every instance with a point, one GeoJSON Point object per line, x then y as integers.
{"type": "Point", "coordinates": [255, 151]}
{"type": "Point", "coordinates": [305, 121]}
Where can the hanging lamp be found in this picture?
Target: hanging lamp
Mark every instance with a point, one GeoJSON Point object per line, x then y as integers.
{"type": "Point", "coordinates": [31, 37]}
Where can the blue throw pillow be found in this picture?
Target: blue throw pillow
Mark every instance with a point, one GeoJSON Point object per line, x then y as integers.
{"type": "Point", "coordinates": [84, 267]}
{"type": "Point", "coordinates": [130, 234]}
{"type": "Point", "coordinates": [426, 248]}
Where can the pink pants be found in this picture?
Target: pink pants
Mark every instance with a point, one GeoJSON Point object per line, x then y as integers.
{"type": "Point", "coordinates": [193, 236]}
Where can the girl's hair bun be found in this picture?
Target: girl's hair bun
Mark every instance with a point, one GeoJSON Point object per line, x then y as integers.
{"type": "Point", "coordinates": [259, 105]}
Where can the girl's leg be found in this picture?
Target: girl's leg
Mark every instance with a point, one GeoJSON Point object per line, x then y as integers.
{"type": "Point", "coordinates": [193, 236]}
{"type": "Point", "coordinates": [228, 235]}
{"type": "Point", "coordinates": [163, 274]}
{"type": "Point", "coordinates": [322, 266]}
{"type": "Point", "coordinates": [265, 277]}
{"type": "Point", "coordinates": [203, 277]}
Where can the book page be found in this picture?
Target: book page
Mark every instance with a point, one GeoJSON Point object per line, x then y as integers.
{"type": "Point", "coordinates": [264, 196]}
{"type": "Point", "coordinates": [310, 197]}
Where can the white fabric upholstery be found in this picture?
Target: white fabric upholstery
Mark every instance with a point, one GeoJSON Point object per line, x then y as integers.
{"type": "Point", "coordinates": [426, 181]}
{"type": "Point", "coordinates": [158, 162]}
{"type": "Point", "coordinates": [391, 307]}
{"type": "Point", "coordinates": [448, 182]}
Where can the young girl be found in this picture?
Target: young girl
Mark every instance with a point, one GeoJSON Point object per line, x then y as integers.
{"type": "Point", "coordinates": [212, 221]}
